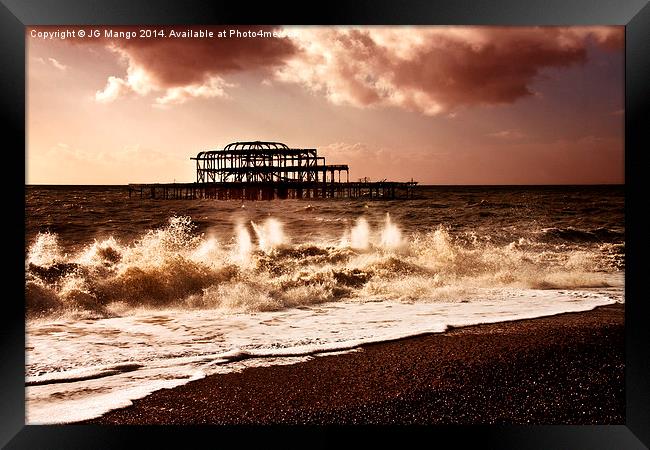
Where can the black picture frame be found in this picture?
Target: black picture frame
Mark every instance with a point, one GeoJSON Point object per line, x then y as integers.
{"type": "Point", "coordinates": [634, 14]}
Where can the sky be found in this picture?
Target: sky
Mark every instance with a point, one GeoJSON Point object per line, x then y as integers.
{"type": "Point", "coordinates": [439, 104]}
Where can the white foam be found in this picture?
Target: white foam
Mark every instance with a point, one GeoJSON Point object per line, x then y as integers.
{"type": "Point", "coordinates": [360, 234]}
{"type": "Point", "coordinates": [270, 234]}
{"type": "Point", "coordinates": [391, 236]}
{"type": "Point", "coordinates": [117, 360]}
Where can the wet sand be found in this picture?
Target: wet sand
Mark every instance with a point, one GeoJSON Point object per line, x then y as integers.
{"type": "Point", "coordinates": [564, 369]}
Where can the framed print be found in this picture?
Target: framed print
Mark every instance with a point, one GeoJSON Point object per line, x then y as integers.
{"type": "Point", "coordinates": [425, 220]}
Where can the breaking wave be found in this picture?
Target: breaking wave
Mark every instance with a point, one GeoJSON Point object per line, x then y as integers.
{"type": "Point", "coordinates": [262, 269]}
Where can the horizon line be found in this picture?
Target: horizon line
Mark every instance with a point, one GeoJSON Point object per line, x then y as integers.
{"type": "Point", "coordinates": [418, 185]}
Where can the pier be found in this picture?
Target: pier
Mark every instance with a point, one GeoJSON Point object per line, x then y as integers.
{"type": "Point", "coordinates": [270, 170]}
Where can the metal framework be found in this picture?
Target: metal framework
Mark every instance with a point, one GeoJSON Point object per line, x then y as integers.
{"type": "Point", "coordinates": [257, 161]}
{"type": "Point", "coordinates": [270, 170]}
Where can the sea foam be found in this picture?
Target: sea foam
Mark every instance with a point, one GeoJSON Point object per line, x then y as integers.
{"type": "Point", "coordinates": [264, 270]}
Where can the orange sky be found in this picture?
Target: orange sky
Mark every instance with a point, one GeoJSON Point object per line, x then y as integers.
{"type": "Point", "coordinates": [444, 105]}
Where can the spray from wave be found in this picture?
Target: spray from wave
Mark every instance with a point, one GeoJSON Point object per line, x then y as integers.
{"type": "Point", "coordinates": [260, 269]}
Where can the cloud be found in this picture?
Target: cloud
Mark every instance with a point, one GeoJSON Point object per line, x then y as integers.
{"type": "Point", "coordinates": [507, 134]}
{"type": "Point", "coordinates": [57, 64]}
{"type": "Point", "coordinates": [375, 162]}
{"type": "Point", "coordinates": [115, 87]}
{"type": "Point", "coordinates": [431, 70]}
{"type": "Point", "coordinates": [135, 154]}
{"type": "Point", "coordinates": [61, 149]}
{"type": "Point", "coordinates": [213, 87]}
{"type": "Point", "coordinates": [434, 70]}
{"type": "Point", "coordinates": [113, 164]}
{"type": "Point", "coordinates": [126, 155]}
{"type": "Point", "coordinates": [53, 62]}
{"type": "Point", "coordinates": [180, 69]}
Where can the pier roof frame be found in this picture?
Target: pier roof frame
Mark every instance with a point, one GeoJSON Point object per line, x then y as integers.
{"type": "Point", "coordinates": [255, 148]}
{"type": "Point", "coordinates": [256, 145]}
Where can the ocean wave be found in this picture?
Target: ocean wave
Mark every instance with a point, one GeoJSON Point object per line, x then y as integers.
{"type": "Point", "coordinates": [262, 269]}
{"type": "Point", "coordinates": [576, 235]}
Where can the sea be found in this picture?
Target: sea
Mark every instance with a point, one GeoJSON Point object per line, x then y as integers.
{"type": "Point", "coordinates": [126, 296]}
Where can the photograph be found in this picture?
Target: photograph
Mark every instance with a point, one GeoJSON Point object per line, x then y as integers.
{"type": "Point", "coordinates": [325, 225]}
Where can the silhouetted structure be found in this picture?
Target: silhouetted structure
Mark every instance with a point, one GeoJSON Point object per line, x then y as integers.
{"type": "Point", "coordinates": [267, 170]}
{"type": "Point", "coordinates": [263, 162]}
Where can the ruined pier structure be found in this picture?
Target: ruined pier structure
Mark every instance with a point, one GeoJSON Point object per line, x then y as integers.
{"type": "Point", "coordinates": [270, 170]}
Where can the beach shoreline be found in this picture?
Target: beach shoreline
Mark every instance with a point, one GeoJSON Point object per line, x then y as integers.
{"type": "Point", "coordinates": [561, 369]}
